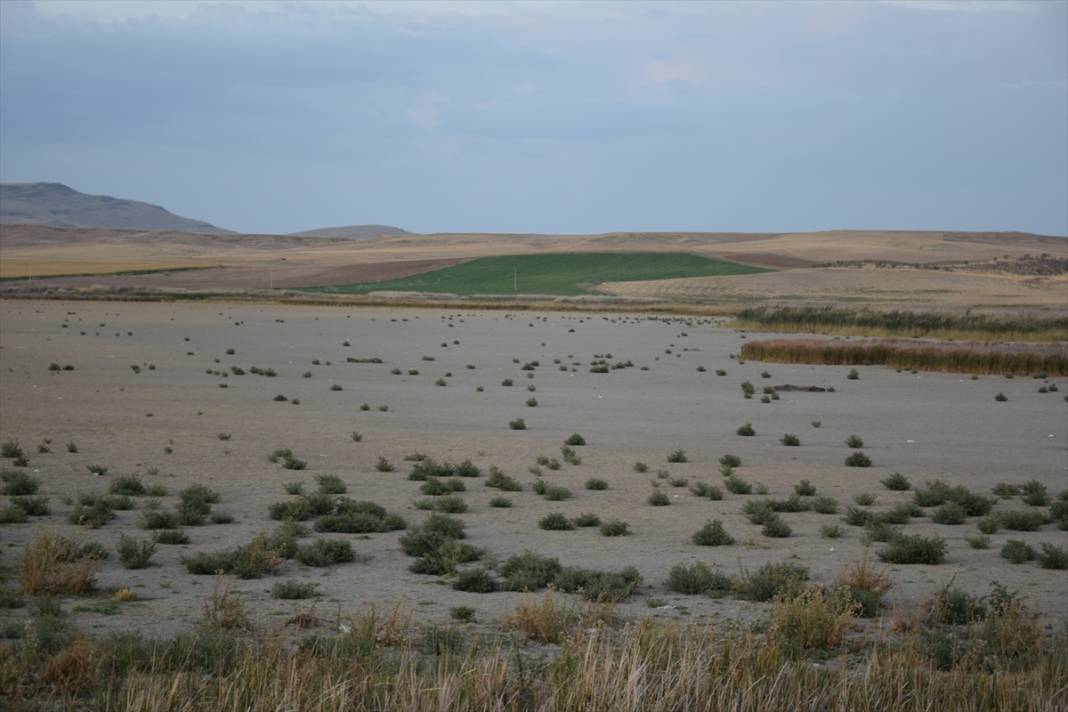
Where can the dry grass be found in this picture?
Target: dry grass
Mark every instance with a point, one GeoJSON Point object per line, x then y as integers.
{"type": "Point", "coordinates": [21, 269]}
{"type": "Point", "coordinates": [56, 565]}
{"type": "Point", "coordinates": [924, 357]}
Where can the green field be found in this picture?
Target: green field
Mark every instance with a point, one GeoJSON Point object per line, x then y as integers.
{"type": "Point", "coordinates": [564, 273]}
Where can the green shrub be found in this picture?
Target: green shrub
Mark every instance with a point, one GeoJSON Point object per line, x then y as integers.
{"type": "Point", "coordinates": [556, 493]}
{"type": "Point", "coordinates": [677, 456]}
{"type": "Point", "coordinates": [32, 506]}
{"type": "Point", "coordinates": [712, 534]}
{"type": "Point", "coordinates": [293, 487]}
{"type": "Point", "coordinates": [825, 505]}
{"type": "Point", "coordinates": [896, 482]}
{"type": "Point", "coordinates": [331, 484]}
{"type": "Point", "coordinates": [949, 513]}
{"type": "Point", "coordinates": [730, 460]}
{"type": "Point", "coordinates": [12, 515]}
{"type": "Point", "coordinates": [804, 488]}
{"type": "Point", "coordinates": [698, 579]}
{"type": "Point", "coordinates": [978, 542]}
{"type": "Point", "coordinates": [475, 581]}
{"type": "Point", "coordinates": [831, 531]}
{"type": "Point", "coordinates": [1004, 490]}
{"type": "Point", "coordinates": [615, 527]}
{"type": "Point", "coordinates": [952, 606]}
{"type": "Point", "coordinates": [658, 499]}
{"type": "Point", "coordinates": [858, 459]}
{"type": "Point", "coordinates": [253, 560]}
{"type": "Point", "coordinates": [790, 440]}
{"type": "Point", "coordinates": [600, 586]}
{"type": "Point", "coordinates": [170, 536]}
{"type": "Point", "coordinates": [914, 549]}
{"type": "Point", "coordinates": [17, 482]}
{"type": "Point", "coordinates": [640, 467]}
{"type": "Point", "coordinates": [463, 614]}
{"type": "Point", "coordinates": [556, 522]}
{"type": "Point", "coordinates": [325, 552]}
{"type": "Point", "coordinates": [1017, 551]}
{"type": "Point", "coordinates": [1053, 557]}
{"type": "Point", "coordinates": [135, 554]}
{"type": "Point", "coordinates": [431, 534]}
{"type": "Point", "coordinates": [587, 519]}
{"type": "Point", "coordinates": [93, 513]}
{"type": "Point", "coordinates": [128, 485]}
{"type": "Point", "coordinates": [1034, 493]}
{"type": "Point", "coordinates": [1000, 397]}
{"type": "Point", "coordinates": [776, 527]}
{"type": "Point", "coordinates": [501, 481]}
{"type": "Point", "coordinates": [517, 424]}
{"type": "Point", "coordinates": [529, 571]}
{"type": "Point", "coordinates": [294, 590]}
{"type": "Point", "coordinates": [596, 484]}
{"type": "Point", "coordinates": [771, 580]}
{"type": "Point", "coordinates": [159, 520]}
{"type": "Point", "coordinates": [500, 502]}
{"type": "Point", "coordinates": [746, 430]}
{"type": "Point", "coordinates": [1022, 521]}
{"type": "Point", "coordinates": [854, 441]}
{"type": "Point", "coordinates": [736, 485]}
{"type": "Point", "coordinates": [434, 487]}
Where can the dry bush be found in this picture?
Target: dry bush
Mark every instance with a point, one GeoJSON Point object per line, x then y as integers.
{"type": "Point", "coordinates": [56, 565]}
{"type": "Point", "coordinates": [223, 609]}
{"type": "Point", "coordinates": [74, 669]}
{"type": "Point", "coordinates": [814, 619]}
{"type": "Point", "coordinates": [544, 619]}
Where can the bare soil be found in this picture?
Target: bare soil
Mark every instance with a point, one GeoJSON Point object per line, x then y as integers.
{"type": "Point", "coordinates": [926, 426]}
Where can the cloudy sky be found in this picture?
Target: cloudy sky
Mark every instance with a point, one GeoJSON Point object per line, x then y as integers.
{"type": "Point", "coordinates": [547, 117]}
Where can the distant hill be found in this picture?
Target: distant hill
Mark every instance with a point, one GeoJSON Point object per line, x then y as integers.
{"type": "Point", "coordinates": [353, 232]}
{"type": "Point", "coordinates": [59, 205]}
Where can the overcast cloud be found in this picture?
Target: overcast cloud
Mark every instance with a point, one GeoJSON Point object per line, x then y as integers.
{"type": "Point", "coordinates": [542, 117]}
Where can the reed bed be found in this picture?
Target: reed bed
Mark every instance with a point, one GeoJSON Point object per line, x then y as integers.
{"type": "Point", "coordinates": [835, 320]}
{"type": "Point", "coordinates": [379, 664]}
{"type": "Point", "coordinates": [976, 359]}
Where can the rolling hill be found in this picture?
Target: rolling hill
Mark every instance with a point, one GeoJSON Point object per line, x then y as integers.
{"type": "Point", "coordinates": [353, 232]}
{"type": "Point", "coordinates": [59, 205]}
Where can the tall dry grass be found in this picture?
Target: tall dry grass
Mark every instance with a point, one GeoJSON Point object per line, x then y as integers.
{"type": "Point", "coordinates": [919, 356]}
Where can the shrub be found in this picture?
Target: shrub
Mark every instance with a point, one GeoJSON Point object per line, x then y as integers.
{"type": "Point", "coordinates": [518, 424]}
{"type": "Point", "coordinates": [736, 485]}
{"type": "Point", "coordinates": [825, 505]}
{"type": "Point", "coordinates": [776, 527]}
{"type": "Point", "coordinates": [170, 536]}
{"type": "Point", "coordinates": [1022, 521]}
{"type": "Point", "coordinates": [746, 430]}
{"type": "Point", "coordinates": [1005, 491]}
{"type": "Point", "coordinates": [330, 484]}
{"type": "Point", "coordinates": [951, 606]}
{"type": "Point", "coordinates": [712, 534]}
{"type": "Point", "coordinates": [812, 619]}
{"type": "Point", "coordinates": [853, 374]}
{"type": "Point", "coordinates": [1053, 557]}
{"type": "Point", "coordinates": [431, 534]}
{"type": "Point", "coordinates": [556, 522]}
{"type": "Point", "coordinates": [858, 459]}
{"type": "Point", "coordinates": [914, 549]}
{"type": "Point", "coordinates": [56, 565]}
{"type": "Point", "coordinates": [1017, 551]}
{"type": "Point", "coordinates": [570, 456]}
{"type": "Point", "coordinates": [730, 460]}
{"type": "Point", "coordinates": [575, 440]}
{"type": "Point", "coordinates": [587, 519]}
{"type": "Point", "coordinates": [463, 614]}
{"type": "Point", "coordinates": [1000, 397]}
{"type": "Point", "coordinates": [599, 586]}
{"type": "Point", "coordinates": [17, 483]}
{"type": "Point", "coordinates": [325, 552]}
{"type": "Point", "coordinates": [854, 441]}
{"type": "Point", "coordinates": [805, 488]}
{"type": "Point", "coordinates": [978, 542]}
{"type": "Point", "coordinates": [556, 493]}
{"type": "Point", "coordinates": [773, 580]}
{"type": "Point", "coordinates": [135, 554]}
{"type": "Point", "coordinates": [790, 440]}
{"type": "Point", "coordinates": [831, 531]}
{"type": "Point", "coordinates": [294, 590]}
{"type": "Point", "coordinates": [32, 506]}
{"type": "Point", "coordinates": [896, 482]}
{"type": "Point", "coordinates": [11, 449]}
{"type": "Point", "coordinates": [949, 513]}
{"type": "Point", "coordinates": [677, 456]}
{"type": "Point", "coordinates": [159, 520]}
{"type": "Point", "coordinates": [698, 579]}
{"type": "Point", "coordinates": [502, 481]}
{"type": "Point", "coordinates": [253, 560]}
{"type": "Point", "coordinates": [93, 512]}
{"type": "Point", "coordinates": [596, 484]}
{"type": "Point", "coordinates": [384, 465]}
{"type": "Point", "coordinates": [640, 467]}
{"type": "Point", "coordinates": [475, 581]}
{"type": "Point", "coordinates": [1034, 493]}
{"type": "Point", "coordinates": [500, 502]}
{"type": "Point", "coordinates": [615, 527]}
{"type": "Point", "coordinates": [128, 485]}
{"type": "Point", "coordinates": [658, 499]}
{"type": "Point", "coordinates": [529, 571]}
{"type": "Point", "coordinates": [293, 487]}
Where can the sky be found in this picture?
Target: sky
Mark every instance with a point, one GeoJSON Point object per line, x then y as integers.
{"type": "Point", "coordinates": [548, 117]}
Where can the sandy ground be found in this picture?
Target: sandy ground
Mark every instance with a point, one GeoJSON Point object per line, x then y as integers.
{"type": "Point", "coordinates": [925, 426]}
